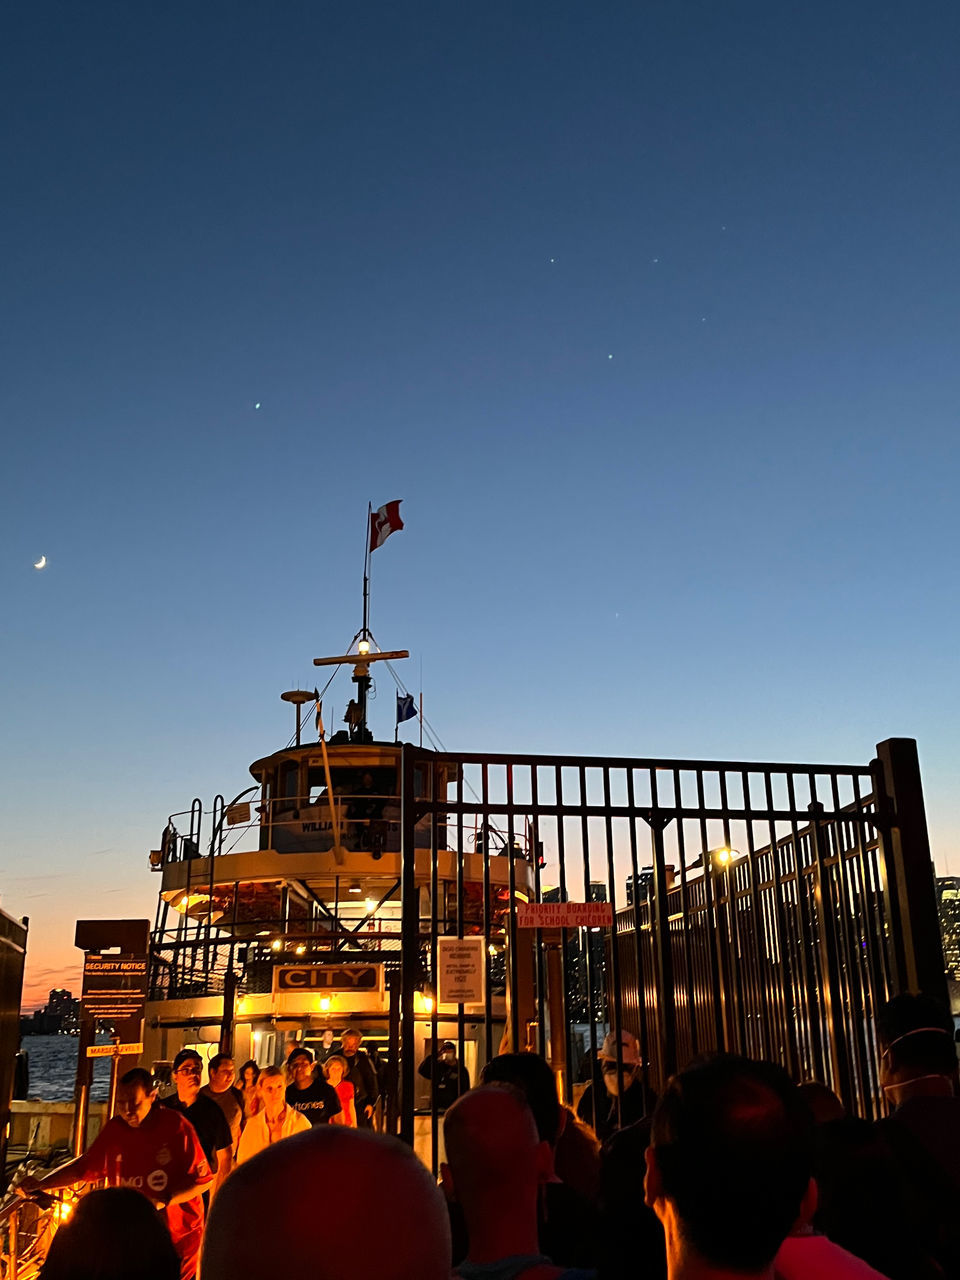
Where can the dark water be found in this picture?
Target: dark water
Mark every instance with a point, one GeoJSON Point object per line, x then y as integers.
{"type": "Point", "coordinates": [53, 1069]}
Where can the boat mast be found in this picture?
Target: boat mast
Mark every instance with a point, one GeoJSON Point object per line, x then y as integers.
{"type": "Point", "coordinates": [362, 681]}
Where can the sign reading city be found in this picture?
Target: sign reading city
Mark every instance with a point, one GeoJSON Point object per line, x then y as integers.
{"type": "Point", "coordinates": [114, 986]}
{"type": "Point", "coordinates": [114, 1050]}
{"type": "Point", "coordinates": [327, 977]}
{"type": "Point", "coordinates": [460, 970]}
{"type": "Point", "coordinates": [564, 915]}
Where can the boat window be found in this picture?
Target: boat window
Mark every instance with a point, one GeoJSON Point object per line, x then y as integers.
{"type": "Point", "coordinates": [379, 781]}
{"type": "Point", "coordinates": [289, 784]}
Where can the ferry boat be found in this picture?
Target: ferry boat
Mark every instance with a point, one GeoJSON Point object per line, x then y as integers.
{"type": "Point", "coordinates": [279, 912]}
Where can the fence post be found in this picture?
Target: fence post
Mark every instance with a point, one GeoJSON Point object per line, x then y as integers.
{"type": "Point", "coordinates": [409, 942]}
{"type": "Point", "coordinates": [664, 950]}
{"type": "Point", "coordinates": [909, 868]}
{"type": "Point", "coordinates": [827, 907]}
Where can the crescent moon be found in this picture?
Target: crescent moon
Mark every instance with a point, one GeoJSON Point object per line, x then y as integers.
{"type": "Point", "coordinates": [41, 563]}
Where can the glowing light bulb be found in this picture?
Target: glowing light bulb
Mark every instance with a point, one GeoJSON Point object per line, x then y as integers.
{"type": "Point", "coordinates": [363, 648]}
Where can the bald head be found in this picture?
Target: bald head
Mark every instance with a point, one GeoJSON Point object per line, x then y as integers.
{"type": "Point", "coordinates": [495, 1166]}
{"type": "Point", "coordinates": [272, 1201]}
{"type": "Point", "coordinates": [491, 1140]}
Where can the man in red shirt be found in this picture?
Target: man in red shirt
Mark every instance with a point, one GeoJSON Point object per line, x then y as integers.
{"type": "Point", "coordinates": [153, 1149]}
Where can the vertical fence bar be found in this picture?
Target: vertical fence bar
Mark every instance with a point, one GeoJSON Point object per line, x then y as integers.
{"type": "Point", "coordinates": [739, 957]}
{"type": "Point", "coordinates": [638, 936]}
{"type": "Point", "coordinates": [686, 931]}
{"type": "Point", "coordinates": [661, 914]}
{"type": "Point", "coordinates": [538, 954]}
{"type": "Point", "coordinates": [432, 795]}
{"type": "Point", "coordinates": [512, 951]}
{"type": "Point", "coordinates": [806, 948]}
{"type": "Point", "coordinates": [564, 933]}
{"type": "Point", "coordinates": [585, 933]}
{"type": "Point", "coordinates": [409, 942]}
{"type": "Point", "coordinates": [460, 855]}
{"type": "Point", "coordinates": [487, 986]}
{"type": "Point", "coordinates": [851, 964]}
{"type": "Point", "coordinates": [715, 948]}
{"type": "Point", "coordinates": [830, 959]}
{"type": "Point", "coordinates": [617, 1019]}
{"type": "Point", "coordinates": [784, 968]}
{"type": "Point", "coordinates": [758, 937]}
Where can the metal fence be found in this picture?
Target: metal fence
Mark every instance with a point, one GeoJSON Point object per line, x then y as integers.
{"type": "Point", "coordinates": [764, 909]}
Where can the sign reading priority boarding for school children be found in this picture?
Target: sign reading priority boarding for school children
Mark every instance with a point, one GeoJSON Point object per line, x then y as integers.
{"type": "Point", "coordinates": [564, 915]}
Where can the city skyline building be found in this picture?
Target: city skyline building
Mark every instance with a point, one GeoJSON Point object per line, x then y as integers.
{"type": "Point", "coordinates": [948, 908]}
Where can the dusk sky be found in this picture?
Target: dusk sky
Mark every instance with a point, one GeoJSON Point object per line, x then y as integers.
{"type": "Point", "coordinates": [648, 312]}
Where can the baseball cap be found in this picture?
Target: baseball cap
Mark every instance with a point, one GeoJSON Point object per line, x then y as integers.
{"type": "Point", "coordinates": [629, 1049]}
{"type": "Point", "coordinates": [186, 1055]}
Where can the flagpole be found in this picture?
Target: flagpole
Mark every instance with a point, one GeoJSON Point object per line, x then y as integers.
{"type": "Point", "coordinates": [366, 576]}
{"type": "Point", "coordinates": [421, 717]}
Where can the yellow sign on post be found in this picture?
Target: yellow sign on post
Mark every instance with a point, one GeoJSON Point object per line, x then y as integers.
{"type": "Point", "coordinates": [114, 1050]}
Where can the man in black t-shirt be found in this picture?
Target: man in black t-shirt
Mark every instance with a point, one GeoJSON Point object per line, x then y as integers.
{"type": "Point", "coordinates": [208, 1120]}
{"type": "Point", "coordinates": [309, 1093]}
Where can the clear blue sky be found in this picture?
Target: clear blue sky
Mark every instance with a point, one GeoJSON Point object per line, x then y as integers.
{"type": "Point", "coordinates": [415, 235]}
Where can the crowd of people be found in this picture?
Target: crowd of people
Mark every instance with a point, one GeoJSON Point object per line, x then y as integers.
{"type": "Point", "coordinates": [735, 1171]}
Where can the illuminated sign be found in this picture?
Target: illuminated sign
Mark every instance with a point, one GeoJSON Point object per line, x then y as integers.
{"type": "Point", "coordinates": [114, 986]}
{"type": "Point", "coordinates": [326, 977]}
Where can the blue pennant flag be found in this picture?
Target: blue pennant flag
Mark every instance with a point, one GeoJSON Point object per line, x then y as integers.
{"type": "Point", "coordinates": [405, 708]}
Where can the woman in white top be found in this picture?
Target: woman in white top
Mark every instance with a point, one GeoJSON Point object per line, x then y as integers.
{"type": "Point", "coordinates": [274, 1120]}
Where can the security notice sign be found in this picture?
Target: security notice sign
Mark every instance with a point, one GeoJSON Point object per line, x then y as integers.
{"type": "Point", "coordinates": [460, 970]}
{"type": "Point", "coordinates": [114, 986]}
{"type": "Point", "coordinates": [564, 915]}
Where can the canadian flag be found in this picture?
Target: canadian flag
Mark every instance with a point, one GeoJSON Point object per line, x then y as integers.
{"type": "Point", "coordinates": [383, 522]}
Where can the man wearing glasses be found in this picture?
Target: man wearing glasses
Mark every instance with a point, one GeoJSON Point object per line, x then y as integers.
{"type": "Point", "coordinates": [208, 1120]}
